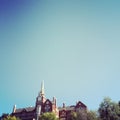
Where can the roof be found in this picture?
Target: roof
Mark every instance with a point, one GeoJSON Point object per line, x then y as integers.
{"type": "Point", "coordinates": [79, 104]}
{"type": "Point", "coordinates": [67, 108]}
{"type": "Point", "coordinates": [27, 109]}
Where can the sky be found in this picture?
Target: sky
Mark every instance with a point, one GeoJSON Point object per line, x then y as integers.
{"type": "Point", "coordinates": [73, 45]}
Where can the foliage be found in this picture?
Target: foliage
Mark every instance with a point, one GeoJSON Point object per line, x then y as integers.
{"type": "Point", "coordinates": [48, 116]}
{"type": "Point", "coordinates": [11, 118]}
{"type": "Point", "coordinates": [79, 115]}
{"type": "Point", "coordinates": [92, 115]}
{"type": "Point", "coordinates": [82, 115]}
{"type": "Point", "coordinates": [109, 110]}
{"type": "Point", "coordinates": [72, 116]}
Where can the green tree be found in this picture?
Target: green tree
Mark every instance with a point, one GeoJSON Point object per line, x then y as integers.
{"type": "Point", "coordinates": [48, 116]}
{"type": "Point", "coordinates": [92, 115]}
{"type": "Point", "coordinates": [72, 116]}
{"type": "Point", "coordinates": [79, 115]}
{"type": "Point", "coordinates": [109, 110]}
{"type": "Point", "coordinates": [11, 118]}
{"type": "Point", "coordinates": [82, 115]}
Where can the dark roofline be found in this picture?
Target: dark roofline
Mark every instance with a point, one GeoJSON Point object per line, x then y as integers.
{"type": "Point", "coordinates": [27, 109]}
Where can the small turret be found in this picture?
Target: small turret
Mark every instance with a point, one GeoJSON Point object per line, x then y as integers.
{"type": "Point", "coordinates": [54, 101]}
{"type": "Point", "coordinates": [14, 108]}
{"type": "Point", "coordinates": [63, 105]}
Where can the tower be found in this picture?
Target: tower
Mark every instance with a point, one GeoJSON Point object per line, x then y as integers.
{"type": "Point", "coordinates": [40, 100]}
{"type": "Point", "coordinates": [41, 95]}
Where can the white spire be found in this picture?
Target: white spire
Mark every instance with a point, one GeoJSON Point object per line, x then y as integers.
{"type": "Point", "coordinates": [42, 92]}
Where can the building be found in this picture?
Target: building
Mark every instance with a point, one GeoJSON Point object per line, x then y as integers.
{"type": "Point", "coordinates": [66, 110]}
{"type": "Point", "coordinates": [43, 105]}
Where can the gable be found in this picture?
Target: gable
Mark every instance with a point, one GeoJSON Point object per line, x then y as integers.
{"type": "Point", "coordinates": [48, 106]}
{"type": "Point", "coordinates": [48, 102]}
{"type": "Point", "coordinates": [81, 105]}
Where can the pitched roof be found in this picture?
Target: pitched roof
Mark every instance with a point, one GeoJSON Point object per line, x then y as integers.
{"type": "Point", "coordinates": [27, 109]}
{"type": "Point", "coordinates": [67, 108]}
{"type": "Point", "coordinates": [73, 107]}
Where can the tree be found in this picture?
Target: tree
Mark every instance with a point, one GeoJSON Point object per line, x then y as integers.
{"type": "Point", "coordinates": [72, 116]}
{"type": "Point", "coordinates": [48, 116]}
{"type": "Point", "coordinates": [82, 115]}
{"type": "Point", "coordinates": [79, 115]}
{"type": "Point", "coordinates": [92, 115]}
{"type": "Point", "coordinates": [109, 110]}
{"type": "Point", "coordinates": [10, 118]}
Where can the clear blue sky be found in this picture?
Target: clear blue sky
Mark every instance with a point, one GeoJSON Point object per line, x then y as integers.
{"type": "Point", "coordinates": [73, 45]}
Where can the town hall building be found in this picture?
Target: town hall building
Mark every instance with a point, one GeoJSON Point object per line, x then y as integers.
{"type": "Point", "coordinates": [43, 105]}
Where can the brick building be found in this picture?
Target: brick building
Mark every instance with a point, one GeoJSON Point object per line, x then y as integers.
{"type": "Point", "coordinates": [66, 110]}
{"type": "Point", "coordinates": [43, 105]}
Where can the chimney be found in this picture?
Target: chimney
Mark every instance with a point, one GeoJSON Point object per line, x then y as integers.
{"type": "Point", "coordinates": [55, 102]}
{"type": "Point", "coordinates": [63, 105]}
{"type": "Point", "coordinates": [53, 99]}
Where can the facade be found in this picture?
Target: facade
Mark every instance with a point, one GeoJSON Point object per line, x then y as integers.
{"type": "Point", "coordinates": [66, 110]}
{"type": "Point", "coordinates": [43, 105]}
